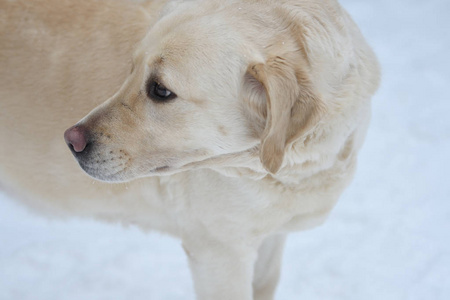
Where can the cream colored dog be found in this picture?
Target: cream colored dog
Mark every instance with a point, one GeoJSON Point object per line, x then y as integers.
{"type": "Point", "coordinates": [237, 122]}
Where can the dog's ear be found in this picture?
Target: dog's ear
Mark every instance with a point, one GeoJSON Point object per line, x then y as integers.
{"type": "Point", "coordinates": [292, 108]}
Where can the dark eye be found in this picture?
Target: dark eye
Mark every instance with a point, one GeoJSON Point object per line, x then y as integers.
{"type": "Point", "coordinates": [158, 92]}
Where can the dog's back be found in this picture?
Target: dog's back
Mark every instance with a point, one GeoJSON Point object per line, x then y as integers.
{"type": "Point", "coordinates": [58, 60]}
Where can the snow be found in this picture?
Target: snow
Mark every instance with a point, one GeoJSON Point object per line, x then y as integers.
{"type": "Point", "coordinates": [388, 237]}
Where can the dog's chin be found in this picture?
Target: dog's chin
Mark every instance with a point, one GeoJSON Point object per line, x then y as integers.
{"type": "Point", "coordinates": [105, 174]}
{"type": "Point", "coordinates": [125, 172]}
{"type": "Point", "coordinates": [111, 174]}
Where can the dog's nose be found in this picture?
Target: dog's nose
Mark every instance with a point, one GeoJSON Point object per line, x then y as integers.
{"type": "Point", "coordinates": [76, 138]}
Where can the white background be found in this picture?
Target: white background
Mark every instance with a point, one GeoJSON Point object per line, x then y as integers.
{"type": "Point", "coordinates": [388, 237]}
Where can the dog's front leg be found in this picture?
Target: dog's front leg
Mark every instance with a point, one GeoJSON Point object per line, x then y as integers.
{"type": "Point", "coordinates": [221, 271]}
{"type": "Point", "coordinates": [267, 267]}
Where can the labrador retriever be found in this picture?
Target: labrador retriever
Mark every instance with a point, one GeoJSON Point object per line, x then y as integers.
{"type": "Point", "coordinates": [227, 124]}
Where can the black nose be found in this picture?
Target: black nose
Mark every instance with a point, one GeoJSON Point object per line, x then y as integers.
{"type": "Point", "coordinates": [76, 138]}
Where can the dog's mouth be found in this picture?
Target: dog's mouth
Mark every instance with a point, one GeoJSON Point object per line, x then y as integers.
{"type": "Point", "coordinates": [105, 172]}
{"type": "Point", "coordinates": [119, 172]}
{"type": "Point", "coordinates": [120, 166]}
{"type": "Point", "coordinates": [242, 159]}
{"type": "Point", "coordinates": [160, 169]}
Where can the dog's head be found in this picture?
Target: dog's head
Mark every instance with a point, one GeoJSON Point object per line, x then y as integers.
{"type": "Point", "coordinates": [202, 86]}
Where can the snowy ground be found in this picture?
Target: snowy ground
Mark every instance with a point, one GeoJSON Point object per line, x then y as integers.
{"type": "Point", "coordinates": [388, 237]}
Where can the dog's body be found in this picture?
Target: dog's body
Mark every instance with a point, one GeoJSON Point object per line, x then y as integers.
{"type": "Point", "coordinates": [272, 104]}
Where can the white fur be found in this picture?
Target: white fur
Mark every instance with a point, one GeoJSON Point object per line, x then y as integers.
{"type": "Point", "coordinates": [229, 203]}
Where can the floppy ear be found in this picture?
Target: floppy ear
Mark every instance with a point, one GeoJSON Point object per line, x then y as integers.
{"type": "Point", "coordinates": [292, 108]}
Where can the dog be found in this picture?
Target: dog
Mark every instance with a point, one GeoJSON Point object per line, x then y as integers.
{"type": "Point", "coordinates": [227, 124]}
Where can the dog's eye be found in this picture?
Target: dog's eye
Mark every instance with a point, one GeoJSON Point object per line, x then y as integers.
{"type": "Point", "coordinates": [158, 92]}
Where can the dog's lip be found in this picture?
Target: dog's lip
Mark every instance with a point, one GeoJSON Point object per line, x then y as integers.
{"type": "Point", "coordinates": [160, 169]}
